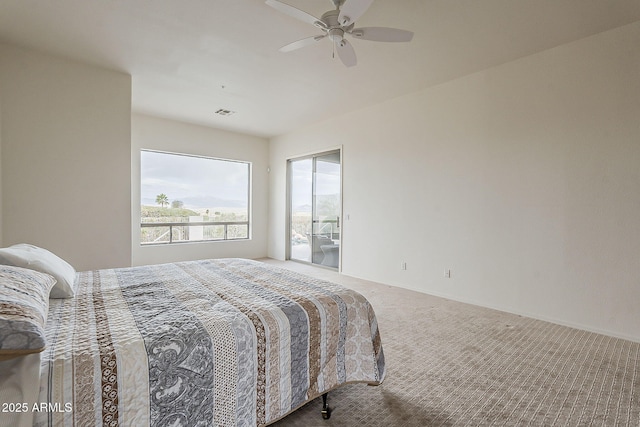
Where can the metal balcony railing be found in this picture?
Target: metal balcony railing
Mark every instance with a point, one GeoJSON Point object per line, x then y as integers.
{"type": "Point", "coordinates": [181, 226]}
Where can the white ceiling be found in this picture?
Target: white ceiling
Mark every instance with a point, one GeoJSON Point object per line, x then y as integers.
{"type": "Point", "coordinates": [189, 58]}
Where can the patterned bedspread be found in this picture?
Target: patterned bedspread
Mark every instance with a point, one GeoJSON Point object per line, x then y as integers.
{"type": "Point", "coordinates": [202, 343]}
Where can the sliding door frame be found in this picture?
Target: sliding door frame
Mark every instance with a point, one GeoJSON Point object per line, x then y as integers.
{"type": "Point", "coordinates": [289, 217]}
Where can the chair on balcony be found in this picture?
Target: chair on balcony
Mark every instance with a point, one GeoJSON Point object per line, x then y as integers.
{"type": "Point", "coordinates": [316, 242]}
{"type": "Point", "coordinates": [330, 255]}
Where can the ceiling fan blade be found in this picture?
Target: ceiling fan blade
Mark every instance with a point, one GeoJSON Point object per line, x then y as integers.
{"type": "Point", "coordinates": [346, 53]}
{"type": "Point", "coordinates": [302, 43]}
{"type": "Point", "coordinates": [296, 13]}
{"type": "Point", "coordinates": [382, 34]}
{"type": "Point", "coordinates": [351, 10]}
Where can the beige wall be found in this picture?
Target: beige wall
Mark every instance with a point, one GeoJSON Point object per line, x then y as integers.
{"type": "Point", "coordinates": [172, 136]}
{"type": "Point", "coordinates": [65, 171]}
{"type": "Point", "coordinates": [522, 179]}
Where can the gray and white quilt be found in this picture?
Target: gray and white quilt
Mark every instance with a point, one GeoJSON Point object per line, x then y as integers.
{"type": "Point", "coordinates": [228, 342]}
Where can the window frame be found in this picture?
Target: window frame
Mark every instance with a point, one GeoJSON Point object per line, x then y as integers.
{"type": "Point", "coordinates": [225, 224]}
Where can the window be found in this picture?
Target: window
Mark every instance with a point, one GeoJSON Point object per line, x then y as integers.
{"type": "Point", "coordinates": [185, 198]}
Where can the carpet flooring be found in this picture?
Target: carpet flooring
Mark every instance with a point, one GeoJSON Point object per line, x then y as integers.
{"type": "Point", "coordinates": [455, 364]}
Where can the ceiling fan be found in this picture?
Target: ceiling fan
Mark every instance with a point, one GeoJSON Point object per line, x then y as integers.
{"type": "Point", "coordinates": [338, 23]}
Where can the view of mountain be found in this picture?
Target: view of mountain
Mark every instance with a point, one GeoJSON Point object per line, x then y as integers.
{"type": "Point", "coordinates": [209, 202]}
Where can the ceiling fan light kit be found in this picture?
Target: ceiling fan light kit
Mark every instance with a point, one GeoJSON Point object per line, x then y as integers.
{"type": "Point", "coordinates": [336, 34]}
{"type": "Point", "coordinates": [338, 23]}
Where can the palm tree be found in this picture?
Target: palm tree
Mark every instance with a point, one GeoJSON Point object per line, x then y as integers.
{"type": "Point", "coordinates": [162, 199]}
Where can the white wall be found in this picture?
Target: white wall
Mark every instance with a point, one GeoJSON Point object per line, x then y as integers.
{"type": "Point", "coordinates": [173, 136]}
{"type": "Point", "coordinates": [0, 161]}
{"type": "Point", "coordinates": [66, 158]}
{"type": "Point", "coordinates": [522, 179]}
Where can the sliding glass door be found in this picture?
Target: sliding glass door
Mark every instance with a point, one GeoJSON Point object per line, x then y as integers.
{"type": "Point", "coordinates": [314, 210]}
{"type": "Point", "coordinates": [301, 208]}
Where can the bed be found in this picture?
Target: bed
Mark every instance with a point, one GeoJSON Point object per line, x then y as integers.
{"type": "Point", "coordinates": [229, 342]}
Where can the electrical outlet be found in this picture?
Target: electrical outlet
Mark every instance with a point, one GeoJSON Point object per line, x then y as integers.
{"type": "Point", "coordinates": [447, 273]}
{"type": "Point", "coordinates": [403, 265]}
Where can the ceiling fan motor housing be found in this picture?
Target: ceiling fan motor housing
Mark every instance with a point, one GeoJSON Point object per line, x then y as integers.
{"type": "Point", "coordinates": [330, 18]}
{"type": "Point", "coordinates": [334, 30]}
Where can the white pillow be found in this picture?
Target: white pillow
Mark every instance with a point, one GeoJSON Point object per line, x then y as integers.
{"type": "Point", "coordinates": [39, 259]}
{"type": "Point", "coordinates": [24, 295]}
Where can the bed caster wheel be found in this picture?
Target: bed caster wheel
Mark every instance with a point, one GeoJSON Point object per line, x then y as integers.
{"type": "Point", "coordinates": [326, 411]}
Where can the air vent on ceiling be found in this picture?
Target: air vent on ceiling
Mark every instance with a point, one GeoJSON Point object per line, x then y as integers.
{"type": "Point", "coordinates": [224, 112]}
